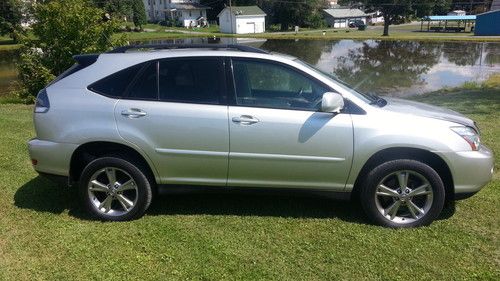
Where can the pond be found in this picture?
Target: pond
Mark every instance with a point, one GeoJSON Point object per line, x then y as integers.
{"type": "Point", "coordinates": [396, 68]}
{"type": "Point", "coordinates": [8, 73]}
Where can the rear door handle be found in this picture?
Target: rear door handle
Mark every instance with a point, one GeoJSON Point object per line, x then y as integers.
{"type": "Point", "coordinates": [134, 113]}
{"type": "Point", "coordinates": [245, 120]}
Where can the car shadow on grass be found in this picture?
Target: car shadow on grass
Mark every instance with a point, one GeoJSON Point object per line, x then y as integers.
{"type": "Point", "coordinates": [42, 195]}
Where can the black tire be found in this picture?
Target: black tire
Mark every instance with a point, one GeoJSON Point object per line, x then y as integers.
{"type": "Point", "coordinates": [142, 192]}
{"type": "Point", "coordinates": [371, 203]}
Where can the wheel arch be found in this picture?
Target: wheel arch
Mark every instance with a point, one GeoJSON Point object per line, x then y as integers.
{"type": "Point", "coordinates": [87, 152]}
{"type": "Point", "coordinates": [422, 155]}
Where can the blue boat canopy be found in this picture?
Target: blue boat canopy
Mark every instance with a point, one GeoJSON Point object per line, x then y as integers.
{"type": "Point", "coordinates": [450, 18]}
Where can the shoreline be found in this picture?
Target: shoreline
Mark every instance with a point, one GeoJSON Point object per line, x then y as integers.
{"type": "Point", "coordinates": [307, 35]}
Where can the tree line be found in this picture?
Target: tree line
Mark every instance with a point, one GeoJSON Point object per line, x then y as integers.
{"type": "Point", "coordinates": [283, 13]}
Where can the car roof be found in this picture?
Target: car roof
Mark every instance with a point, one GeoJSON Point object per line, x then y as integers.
{"type": "Point", "coordinates": [141, 55]}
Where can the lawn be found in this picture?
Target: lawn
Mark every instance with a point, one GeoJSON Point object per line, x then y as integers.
{"type": "Point", "coordinates": [45, 235]}
{"type": "Point", "coordinates": [404, 32]}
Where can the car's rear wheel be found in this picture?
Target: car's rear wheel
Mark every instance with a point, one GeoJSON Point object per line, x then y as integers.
{"type": "Point", "coordinates": [403, 193]}
{"type": "Point", "coordinates": [115, 189]}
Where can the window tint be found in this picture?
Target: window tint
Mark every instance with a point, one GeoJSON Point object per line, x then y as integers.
{"type": "Point", "coordinates": [191, 80]}
{"type": "Point", "coordinates": [264, 84]}
{"type": "Point", "coordinates": [116, 84]}
{"type": "Point", "coordinates": [146, 84]}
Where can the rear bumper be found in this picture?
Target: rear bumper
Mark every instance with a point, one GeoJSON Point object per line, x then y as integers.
{"type": "Point", "coordinates": [51, 157]}
{"type": "Point", "coordinates": [471, 170]}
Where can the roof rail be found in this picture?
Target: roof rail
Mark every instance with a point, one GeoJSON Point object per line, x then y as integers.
{"type": "Point", "coordinates": [238, 47]}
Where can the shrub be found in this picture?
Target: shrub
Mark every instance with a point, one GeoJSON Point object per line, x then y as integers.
{"type": "Point", "coordinates": [64, 28]}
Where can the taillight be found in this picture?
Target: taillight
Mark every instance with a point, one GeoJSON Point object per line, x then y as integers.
{"type": "Point", "coordinates": [42, 103]}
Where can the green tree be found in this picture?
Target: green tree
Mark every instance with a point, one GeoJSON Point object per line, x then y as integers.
{"type": "Point", "coordinates": [431, 7]}
{"type": "Point", "coordinates": [116, 8]}
{"type": "Point", "coordinates": [302, 13]}
{"type": "Point", "coordinates": [472, 7]}
{"type": "Point", "coordinates": [393, 11]}
{"type": "Point", "coordinates": [138, 13]}
{"type": "Point", "coordinates": [10, 18]}
{"type": "Point", "coordinates": [64, 28]}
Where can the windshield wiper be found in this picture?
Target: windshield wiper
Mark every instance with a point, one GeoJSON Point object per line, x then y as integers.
{"type": "Point", "coordinates": [376, 100]}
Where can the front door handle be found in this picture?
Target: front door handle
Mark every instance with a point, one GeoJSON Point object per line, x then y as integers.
{"type": "Point", "coordinates": [245, 120]}
{"type": "Point", "coordinates": [134, 113]}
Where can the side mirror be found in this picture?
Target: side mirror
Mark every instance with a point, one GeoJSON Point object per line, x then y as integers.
{"type": "Point", "coordinates": [332, 102]}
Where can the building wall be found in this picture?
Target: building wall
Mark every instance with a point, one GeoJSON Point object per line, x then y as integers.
{"type": "Point", "coordinates": [225, 22]}
{"type": "Point", "coordinates": [155, 10]}
{"type": "Point", "coordinates": [241, 24]}
{"type": "Point", "coordinates": [495, 5]}
{"type": "Point", "coordinates": [187, 17]}
{"type": "Point", "coordinates": [255, 24]}
{"type": "Point", "coordinates": [341, 23]}
{"type": "Point", "coordinates": [487, 24]}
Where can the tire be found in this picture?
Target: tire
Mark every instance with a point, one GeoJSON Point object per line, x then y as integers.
{"type": "Point", "coordinates": [127, 199]}
{"type": "Point", "coordinates": [419, 203]}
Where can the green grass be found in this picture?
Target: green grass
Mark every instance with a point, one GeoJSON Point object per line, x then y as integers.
{"type": "Point", "coordinates": [6, 43]}
{"type": "Point", "coordinates": [405, 32]}
{"type": "Point", "coordinates": [396, 33]}
{"type": "Point", "coordinates": [44, 235]}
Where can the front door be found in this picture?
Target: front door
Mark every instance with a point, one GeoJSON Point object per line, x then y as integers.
{"type": "Point", "coordinates": [174, 112]}
{"type": "Point", "coordinates": [278, 137]}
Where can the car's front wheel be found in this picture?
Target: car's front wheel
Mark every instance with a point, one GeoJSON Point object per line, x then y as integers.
{"type": "Point", "coordinates": [403, 193]}
{"type": "Point", "coordinates": [115, 189]}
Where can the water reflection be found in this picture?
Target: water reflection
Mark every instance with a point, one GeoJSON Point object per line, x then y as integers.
{"type": "Point", "coordinates": [8, 72]}
{"type": "Point", "coordinates": [397, 68]}
{"type": "Point", "coordinates": [387, 66]}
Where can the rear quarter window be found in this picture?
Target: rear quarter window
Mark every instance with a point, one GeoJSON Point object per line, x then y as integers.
{"type": "Point", "coordinates": [116, 84]}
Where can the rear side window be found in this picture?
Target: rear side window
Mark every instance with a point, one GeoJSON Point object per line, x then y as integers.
{"type": "Point", "coordinates": [191, 80]}
{"type": "Point", "coordinates": [115, 84]}
{"type": "Point", "coordinates": [145, 86]}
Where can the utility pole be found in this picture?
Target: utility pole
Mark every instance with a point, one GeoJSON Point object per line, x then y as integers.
{"type": "Point", "coordinates": [231, 15]}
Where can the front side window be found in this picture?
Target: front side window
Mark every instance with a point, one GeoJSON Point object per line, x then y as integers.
{"type": "Point", "coordinates": [267, 84]}
{"type": "Point", "coordinates": [191, 80]}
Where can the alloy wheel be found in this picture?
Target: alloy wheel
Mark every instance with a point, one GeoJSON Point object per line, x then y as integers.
{"type": "Point", "coordinates": [404, 196]}
{"type": "Point", "coordinates": [112, 191]}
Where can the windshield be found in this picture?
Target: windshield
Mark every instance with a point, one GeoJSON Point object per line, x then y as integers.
{"type": "Point", "coordinates": [368, 98]}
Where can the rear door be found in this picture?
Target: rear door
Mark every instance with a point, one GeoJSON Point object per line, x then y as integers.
{"type": "Point", "coordinates": [174, 110]}
{"type": "Point", "coordinates": [278, 137]}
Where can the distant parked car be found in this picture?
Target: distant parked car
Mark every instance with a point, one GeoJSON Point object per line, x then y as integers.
{"type": "Point", "coordinates": [122, 124]}
{"type": "Point", "coordinates": [356, 24]}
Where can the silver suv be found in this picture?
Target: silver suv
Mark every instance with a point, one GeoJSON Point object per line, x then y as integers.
{"type": "Point", "coordinates": [140, 118]}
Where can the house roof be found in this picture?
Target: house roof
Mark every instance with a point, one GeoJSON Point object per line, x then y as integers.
{"type": "Point", "coordinates": [187, 6]}
{"type": "Point", "coordinates": [452, 18]}
{"type": "Point", "coordinates": [245, 11]}
{"type": "Point", "coordinates": [345, 13]}
{"type": "Point", "coordinates": [490, 12]}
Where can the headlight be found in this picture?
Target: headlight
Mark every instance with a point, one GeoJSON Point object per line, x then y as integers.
{"type": "Point", "coordinates": [469, 135]}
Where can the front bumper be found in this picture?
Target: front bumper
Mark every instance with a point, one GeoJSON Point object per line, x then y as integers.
{"type": "Point", "coordinates": [51, 157]}
{"type": "Point", "coordinates": [471, 170]}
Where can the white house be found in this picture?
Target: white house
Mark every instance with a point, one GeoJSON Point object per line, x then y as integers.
{"type": "Point", "coordinates": [340, 18]}
{"type": "Point", "coordinates": [242, 19]}
{"type": "Point", "coordinates": [188, 12]}
{"type": "Point", "coordinates": [375, 17]}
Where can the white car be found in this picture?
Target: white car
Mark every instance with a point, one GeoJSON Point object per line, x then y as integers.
{"type": "Point", "coordinates": [121, 124]}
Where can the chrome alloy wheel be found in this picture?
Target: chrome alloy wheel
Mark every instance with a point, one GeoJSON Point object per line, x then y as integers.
{"type": "Point", "coordinates": [404, 196]}
{"type": "Point", "coordinates": [112, 191]}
